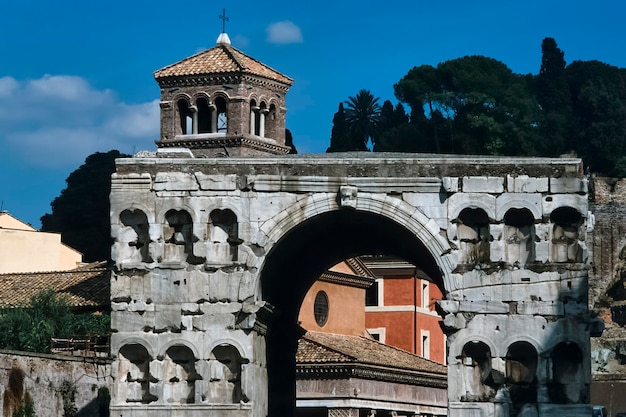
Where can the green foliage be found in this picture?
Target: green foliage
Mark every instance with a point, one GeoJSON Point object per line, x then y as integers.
{"type": "Point", "coordinates": [477, 105]}
{"type": "Point", "coordinates": [27, 409]}
{"type": "Point", "coordinates": [68, 394]}
{"type": "Point", "coordinates": [48, 315]}
{"type": "Point", "coordinates": [81, 212]}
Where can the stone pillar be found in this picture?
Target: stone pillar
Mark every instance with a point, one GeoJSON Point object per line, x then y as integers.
{"type": "Point", "coordinates": [194, 120]}
{"type": "Point", "coordinates": [262, 122]}
{"type": "Point", "coordinates": [213, 109]}
{"type": "Point", "coordinates": [253, 111]}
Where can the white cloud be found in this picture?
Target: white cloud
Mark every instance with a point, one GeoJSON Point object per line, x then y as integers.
{"type": "Point", "coordinates": [60, 120]}
{"type": "Point", "coordinates": [284, 32]}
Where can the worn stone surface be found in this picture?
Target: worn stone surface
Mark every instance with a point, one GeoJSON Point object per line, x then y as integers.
{"type": "Point", "coordinates": [510, 255]}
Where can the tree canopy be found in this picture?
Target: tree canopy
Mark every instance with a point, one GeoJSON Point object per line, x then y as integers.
{"type": "Point", "coordinates": [476, 105]}
{"type": "Point", "coordinates": [81, 212]}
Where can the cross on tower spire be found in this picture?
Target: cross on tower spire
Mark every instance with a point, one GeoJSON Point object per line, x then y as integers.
{"type": "Point", "coordinates": [224, 20]}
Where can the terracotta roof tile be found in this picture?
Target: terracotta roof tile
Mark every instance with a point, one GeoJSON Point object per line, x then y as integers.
{"type": "Point", "coordinates": [221, 59]}
{"type": "Point", "coordinates": [87, 286]}
{"type": "Point", "coordinates": [326, 348]}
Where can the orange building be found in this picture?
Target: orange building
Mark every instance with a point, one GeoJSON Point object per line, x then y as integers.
{"type": "Point", "coordinates": [400, 308]}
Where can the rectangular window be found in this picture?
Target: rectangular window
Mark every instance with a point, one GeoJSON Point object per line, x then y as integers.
{"type": "Point", "coordinates": [378, 334]}
{"type": "Point", "coordinates": [425, 344]}
{"type": "Point", "coordinates": [373, 295]}
{"type": "Point", "coordinates": [425, 294]}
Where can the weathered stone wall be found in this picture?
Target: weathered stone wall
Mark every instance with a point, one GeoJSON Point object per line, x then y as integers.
{"type": "Point", "coordinates": [504, 237]}
{"type": "Point", "coordinates": [47, 377]}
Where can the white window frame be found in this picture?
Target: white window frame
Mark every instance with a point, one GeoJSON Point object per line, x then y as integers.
{"type": "Point", "coordinates": [380, 331]}
{"type": "Point", "coordinates": [425, 343]}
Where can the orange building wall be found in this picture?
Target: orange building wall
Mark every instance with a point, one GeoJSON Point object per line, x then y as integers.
{"type": "Point", "coordinates": [346, 314]}
{"type": "Point", "coordinates": [403, 316]}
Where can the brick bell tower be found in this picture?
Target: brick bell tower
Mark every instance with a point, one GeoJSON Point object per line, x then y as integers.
{"type": "Point", "coordinates": [221, 102]}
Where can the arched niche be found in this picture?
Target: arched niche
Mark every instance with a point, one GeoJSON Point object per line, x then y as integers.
{"type": "Point", "coordinates": [185, 116]}
{"type": "Point", "coordinates": [474, 236]}
{"type": "Point", "coordinates": [179, 375]}
{"type": "Point", "coordinates": [519, 236]}
{"type": "Point", "coordinates": [222, 239]}
{"type": "Point", "coordinates": [221, 106]}
{"type": "Point", "coordinates": [565, 235]}
{"type": "Point", "coordinates": [476, 372]}
{"type": "Point", "coordinates": [225, 371]}
{"type": "Point", "coordinates": [136, 235]}
{"type": "Point", "coordinates": [206, 115]}
{"type": "Point", "coordinates": [133, 375]}
{"type": "Point", "coordinates": [179, 238]}
{"type": "Point", "coordinates": [521, 374]}
{"type": "Point", "coordinates": [566, 383]}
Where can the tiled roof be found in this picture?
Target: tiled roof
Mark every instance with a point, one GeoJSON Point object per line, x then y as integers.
{"type": "Point", "coordinates": [221, 59]}
{"type": "Point", "coordinates": [87, 286]}
{"type": "Point", "coordinates": [327, 348]}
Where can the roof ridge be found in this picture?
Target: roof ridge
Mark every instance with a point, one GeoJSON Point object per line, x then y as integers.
{"type": "Point", "coordinates": [259, 62]}
{"type": "Point", "coordinates": [229, 52]}
{"type": "Point", "coordinates": [91, 267]}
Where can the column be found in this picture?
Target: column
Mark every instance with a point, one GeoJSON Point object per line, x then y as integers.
{"type": "Point", "coordinates": [194, 119]}
{"type": "Point", "coordinates": [253, 111]}
{"type": "Point", "coordinates": [262, 122]}
{"type": "Point", "coordinates": [213, 110]}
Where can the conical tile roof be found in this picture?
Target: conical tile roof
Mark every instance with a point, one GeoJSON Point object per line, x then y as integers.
{"type": "Point", "coordinates": [221, 59]}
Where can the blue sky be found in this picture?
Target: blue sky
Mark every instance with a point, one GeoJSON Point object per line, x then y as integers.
{"type": "Point", "coordinates": [76, 76]}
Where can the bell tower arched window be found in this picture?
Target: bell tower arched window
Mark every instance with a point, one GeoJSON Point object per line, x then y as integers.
{"type": "Point", "coordinates": [185, 115]}
{"type": "Point", "coordinates": [221, 120]}
{"type": "Point", "coordinates": [205, 110]}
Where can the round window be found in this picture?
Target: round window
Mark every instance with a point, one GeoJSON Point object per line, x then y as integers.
{"type": "Point", "coordinates": [320, 308]}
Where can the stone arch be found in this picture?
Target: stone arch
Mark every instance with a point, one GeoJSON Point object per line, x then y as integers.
{"type": "Point", "coordinates": [136, 235]}
{"type": "Point", "coordinates": [337, 229]}
{"type": "Point", "coordinates": [565, 233]}
{"type": "Point", "coordinates": [474, 235]}
{"type": "Point", "coordinates": [522, 363]}
{"type": "Point", "coordinates": [566, 382]}
{"type": "Point", "coordinates": [133, 373]}
{"type": "Point", "coordinates": [134, 205]}
{"type": "Point", "coordinates": [422, 227]}
{"type": "Point", "coordinates": [179, 374]}
{"type": "Point", "coordinates": [255, 117]}
{"type": "Point", "coordinates": [222, 237]}
{"type": "Point", "coordinates": [476, 369]}
{"type": "Point", "coordinates": [183, 114]}
{"type": "Point", "coordinates": [519, 236]}
{"type": "Point", "coordinates": [506, 202]}
{"type": "Point", "coordinates": [206, 111]}
{"type": "Point", "coordinates": [459, 201]}
{"type": "Point", "coordinates": [221, 102]}
{"type": "Point", "coordinates": [225, 374]}
{"type": "Point", "coordinates": [271, 121]}
{"type": "Point", "coordinates": [178, 237]}
{"type": "Point", "coordinates": [474, 338]}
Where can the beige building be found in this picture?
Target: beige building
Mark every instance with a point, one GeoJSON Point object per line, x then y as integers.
{"type": "Point", "coordinates": [20, 242]}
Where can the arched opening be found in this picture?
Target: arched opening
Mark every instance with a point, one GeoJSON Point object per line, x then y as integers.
{"type": "Point", "coordinates": [310, 249]}
{"type": "Point", "coordinates": [179, 238]}
{"type": "Point", "coordinates": [204, 115]}
{"type": "Point", "coordinates": [473, 232]}
{"type": "Point", "coordinates": [519, 236]}
{"type": "Point", "coordinates": [254, 118]}
{"type": "Point", "coordinates": [476, 375]}
{"type": "Point", "coordinates": [221, 107]}
{"type": "Point", "coordinates": [521, 374]}
{"type": "Point", "coordinates": [565, 231]}
{"type": "Point", "coordinates": [138, 236]}
{"type": "Point", "coordinates": [271, 122]}
{"type": "Point", "coordinates": [223, 239]}
{"type": "Point", "coordinates": [566, 384]}
{"type": "Point", "coordinates": [179, 375]}
{"type": "Point", "coordinates": [133, 371]}
{"type": "Point", "coordinates": [225, 375]}
{"type": "Point", "coordinates": [185, 117]}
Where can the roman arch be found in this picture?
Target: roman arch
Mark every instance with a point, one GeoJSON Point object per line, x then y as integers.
{"type": "Point", "coordinates": [213, 256]}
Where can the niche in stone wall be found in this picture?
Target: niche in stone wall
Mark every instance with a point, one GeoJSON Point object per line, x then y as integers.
{"type": "Point", "coordinates": [519, 236]}
{"type": "Point", "coordinates": [179, 239]}
{"type": "Point", "coordinates": [137, 235]}
{"type": "Point", "coordinates": [223, 241]}
{"type": "Point", "coordinates": [474, 237]}
{"type": "Point", "coordinates": [225, 375]}
{"type": "Point", "coordinates": [179, 376]}
{"type": "Point", "coordinates": [133, 370]}
{"type": "Point", "coordinates": [476, 372]}
{"type": "Point", "coordinates": [566, 385]}
{"type": "Point", "coordinates": [521, 374]}
{"type": "Point", "coordinates": [566, 223]}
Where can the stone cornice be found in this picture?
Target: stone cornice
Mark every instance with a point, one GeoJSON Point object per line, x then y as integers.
{"type": "Point", "coordinates": [364, 371]}
{"type": "Point", "coordinates": [220, 79]}
{"type": "Point", "coordinates": [346, 279]}
{"type": "Point", "coordinates": [225, 141]}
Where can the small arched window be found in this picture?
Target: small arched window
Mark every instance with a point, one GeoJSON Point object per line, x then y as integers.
{"type": "Point", "coordinates": [473, 232]}
{"type": "Point", "coordinates": [519, 235]}
{"type": "Point", "coordinates": [320, 308]}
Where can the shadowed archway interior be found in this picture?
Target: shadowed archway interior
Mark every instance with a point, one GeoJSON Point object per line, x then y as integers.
{"type": "Point", "coordinates": [300, 257]}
